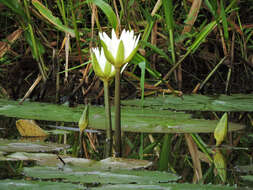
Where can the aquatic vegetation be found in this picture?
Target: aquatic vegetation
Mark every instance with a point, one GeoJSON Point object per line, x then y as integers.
{"type": "Point", "coordinates": [199, 48]}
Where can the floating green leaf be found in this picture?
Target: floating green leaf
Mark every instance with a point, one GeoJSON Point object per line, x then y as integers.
{"type": "Point", "coordinates": [28, 146]}
{"type": "Point", "coordinates": [45, 185]}
{"type": "Point", "coordinates": [248, 178]}
{"type": "Point", "coordinates": [41, 185]}
{"type": "Point", "coordinates": [165, 186]}
{"type": "Point", "coordinates": [197, 102]}
{"type": "Point", "coordinates": [118, 176]}
{"type": "Point", "coordinates": [133, 119]}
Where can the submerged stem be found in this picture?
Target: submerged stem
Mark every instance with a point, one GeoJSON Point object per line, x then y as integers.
{"type": "Point", "coordinates": [108, 147]}
{"type": "Point", "coordinates": [118, 149]}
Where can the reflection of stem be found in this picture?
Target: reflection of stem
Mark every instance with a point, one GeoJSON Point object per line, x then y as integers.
{"type": "Point", "coordinates": [108, 150]}
{"type": "Point", "coordinates": [195, 158]}
{"type": "Point", "coordinates": [117, 114]}
{"type": "Point", "coordinates": [83, 148]}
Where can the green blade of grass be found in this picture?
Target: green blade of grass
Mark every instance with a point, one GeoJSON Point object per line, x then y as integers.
{"type": "Point", "coordinates": [200, 143]}
{"type": "Point", "coordinates": [61, 8]}
{"type": "Point", "coordinates": [157, 50]}
{"type": "Point", "coordinates": [168, 11]}
{"type": "Point", "coordinates": [202, 36]}
{"type": "Point", "coordinates": [141, 146]}
{"type": "Point", "coordinates": [224, 20]}
{"type": "Point", "coordinates": [165, 152]}
{"type": "Point", "coordinates": [37, 48]}
{"type": "Point", "coordinates": [212, 7]}
{"type": "Point", "coordinates": [16, 7]}
{"type": "Point", "coordinates": [139, 58]}
{"type": "Point", "coordinates": [150, 23]}
{"type": "Point", "coordinates": [108, 11]}
{"type": "Point", "coordinates": [46, 13]}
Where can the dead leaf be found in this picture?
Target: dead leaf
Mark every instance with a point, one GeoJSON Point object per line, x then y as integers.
{"type": "Point", "coordinates": [5, 46]}
{"type": "Point", "coordinates": [29, 128]}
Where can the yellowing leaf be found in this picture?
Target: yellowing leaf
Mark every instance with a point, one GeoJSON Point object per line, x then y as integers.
{"type": "Point", "coordinates": [221, 129]}
{"type": "Point", "coordinates": [29, 128]}
{"type": "Point", "coordinates": [220, 165]}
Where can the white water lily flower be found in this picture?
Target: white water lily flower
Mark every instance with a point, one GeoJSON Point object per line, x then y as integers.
{"type": "Point", "coordinates": [103, 69]}
{"type": "Point", "coordinates": [119, 51]}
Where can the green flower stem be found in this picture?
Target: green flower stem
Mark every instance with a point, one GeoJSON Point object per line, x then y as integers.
{"type": "Point", "coordinates": [118, 147]}
{"type": "Point", "coordinates": [108, 147]}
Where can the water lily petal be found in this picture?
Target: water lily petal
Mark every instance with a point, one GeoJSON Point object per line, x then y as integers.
{"type": "Point", "coordinates": [101, 66]}
{"type": "Point", "coordinates": [113, 46]}
{"type": "Point", "coordinates": [105, 38]}
{"type": "Point", "coordinates": [123, 68]}
{"type": "Point", "coordinates": [100, 58]}
{"type": "Point", "coordinates": [130, 41]}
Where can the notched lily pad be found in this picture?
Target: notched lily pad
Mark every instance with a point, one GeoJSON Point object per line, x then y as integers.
{"type": "Point", "coordinates": [197, 102]}
{"type": "Point", "coordinates": [27, 146]}
{"type": "Point", "coordinates": [100, 176]}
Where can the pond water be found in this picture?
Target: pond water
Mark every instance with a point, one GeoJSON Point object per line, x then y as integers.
{"type": "Point", "coordinates": [54, 161]}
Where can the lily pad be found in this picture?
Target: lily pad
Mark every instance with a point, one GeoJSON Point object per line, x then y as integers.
{"type": "Point", "coordinates": [196, 102]}
{"type": "Point", "coordinates": [123, 163]}
{"type": "Point", "coordinates": [73, 174]}
{"type": "Point", "coordinates": [41, 185]}
{"type": "Point", "coordinates": [45, 185]}
{"type": "Point", "coordinates": [27, 146]}
{"type": "Point", "coordinates": [48, 159]}
{"type": "Point", "coordinates": [132, 120]}
{"type": "Point", "coordinates": [248, 178]}
{"type": "Point", "coordinates": [29, 128]}
{"type": "Point", "coordinates": [167, 186]}
{"type": "Point", "coordinates": [245, 169]}
{"type": "Point", "coordinates": [58, 132]}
